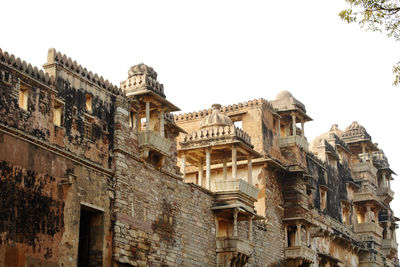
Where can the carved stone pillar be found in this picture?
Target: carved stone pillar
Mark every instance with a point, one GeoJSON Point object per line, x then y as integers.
{"type": "Point", "coordinates": [208, 168]}
{"type": "Point", "coordinates": [200, 175]}
{"type": "Point", "coordinates": [294, 124]}
{"type": "Point", "coordinates": [234, 162]}
{"type": "Point", "coordinates": [183, 165]}
{"type": "Point", "coordinates": [249, 170]}
{"type": "Point", "coordinates": [298, 234]}
{"type": "Point", "coordinates": [162, 123]}
{"type": "Point", "coordinates": [224, 170]}
{"type": "Point", "coordinates": [147, 116]}
{"type": "Point", "coordinates": [235, 228]}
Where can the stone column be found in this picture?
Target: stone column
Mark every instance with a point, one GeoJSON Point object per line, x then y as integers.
{"type": "Point", "coordinates": [224, 170]}
{"type": "Point", "coordinates": [286, 236]}
{"type": "Point", "coordinates": [250, 235]}
{"type": "Point", "coordinates": [279, 127]}
{"type": "Point", "coordinates": [363, 152]}
{"type": "Point", "coordinates": [208, 168]}
{"type": "Point", "coordinates": [298, 234]}
{"type": "Point", "coordinates": [183, 165]}
{"type": "Point", "coordinates": [200, 178]}
{"type": "Point", "coordinates": [235, 228]}
{"type": "Point", "coordinates": [147, 116]}
{"type": "Point", "coordinates": [234, 162]}
{"type": "Point", "coordinates": [302, 127]}
{"type": "Point", "coordinates": [294, 124]}
{"type": "Point", "coordinates": [388, 234]}
{"type": "Point", "coordinates": [308, 235]}
{"type": "Point", "coordinates": [216, 226]}
{"type": "Point", "coordinates": [249, 170]}
{"type": "Point", "coordinates": [162, 123]}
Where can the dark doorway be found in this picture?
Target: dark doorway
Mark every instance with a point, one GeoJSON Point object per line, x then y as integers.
{"type": "Point", "coordinates": [90, 238]}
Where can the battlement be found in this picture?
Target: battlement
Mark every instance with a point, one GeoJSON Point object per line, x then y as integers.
{"type": "Point", "coordinates": [54, 57]}
{"type": "Point", "coordinates": [26, 68]}
{"type": "Point", "coordinates": [223, 109]}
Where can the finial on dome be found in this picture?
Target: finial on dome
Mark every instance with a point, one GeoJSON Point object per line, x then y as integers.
{"type": "Point", "coordinates": [215, 118]}
{"type": "Point", "coordinates": [334, 127]}
{"type": "Point", "coordinates": [215, 106]}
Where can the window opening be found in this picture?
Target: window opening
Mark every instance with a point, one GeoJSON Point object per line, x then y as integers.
{"type": "Point", "coordinates": [23, 97]}
{"type": "Point", "coordinates": [89, 103]}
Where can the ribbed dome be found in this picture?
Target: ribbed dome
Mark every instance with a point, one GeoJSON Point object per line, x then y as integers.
{"type": "Point", "coordinates": [283, 94]}
{"type": "Point", "coordinates": [141, 69]}
{"type": "Point", "coordinates": [215, 118]}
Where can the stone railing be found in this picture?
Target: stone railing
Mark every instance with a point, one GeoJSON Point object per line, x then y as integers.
{"type": "Point", "coordinates": [368, 229]}
{"type": "Point", "coordinates": [143, 81]}
{"type": "Point", "coordinates": [237, 185]}
{"type": "Point", "coordinates": [154, 141]}
{"type": "Point", "coordinates": [389, 244]}
{"type": "Point", "coordinates": [217, 132]}
{"type": "Point", "coordinates": [385, 192]}
{"type": "Point", "coordinates": [300, 141]}
{"type": "Point", "coordinates": [234, 244]}
{"type": "Point", "coordinates": [365, 195]}
{"type": "Point", "coordinates": [364, 167]}
{"type": "Point", "coordinates": [300, 252]}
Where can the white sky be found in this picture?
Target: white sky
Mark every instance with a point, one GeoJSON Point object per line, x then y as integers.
{"type": "Point", "coordinates": [227, 52]}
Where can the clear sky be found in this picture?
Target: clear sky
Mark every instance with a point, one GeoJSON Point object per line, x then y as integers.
{"type": "Point", "coordinates": [227, 52]}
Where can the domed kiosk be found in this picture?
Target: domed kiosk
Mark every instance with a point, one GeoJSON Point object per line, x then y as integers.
{"type": "Point", "coordinates": [291, 111]}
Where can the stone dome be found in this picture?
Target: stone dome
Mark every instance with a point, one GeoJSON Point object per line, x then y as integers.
{"type": "Point", "coordinates": [141, 69]}
{"type": "Point", "coordinates": [215, 118]}
{"type": "Point", "coordinates": [283, 95]}
{"type": "Point", "coordinates": [319, 139]}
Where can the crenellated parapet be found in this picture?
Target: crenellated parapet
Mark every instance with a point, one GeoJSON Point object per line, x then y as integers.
{"type": "Point", "coordinates": [225, 109]}
{"type": "Point", "coordinates": [222, 132]}
{"type": "Point", "coordinates": [26, 68]}
{"type": "Point", "coordinates": [54, 57]}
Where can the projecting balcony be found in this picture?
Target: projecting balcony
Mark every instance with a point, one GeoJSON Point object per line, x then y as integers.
{"type": "Point", "coordinates": [389, 244]}
{"type": "Point", "coordinates": [234, 244]}
{"type": "Point", "coordinates": [365, 196]}
{"type": "Point", "coordinates": [364, 170]}
{"type": "Point", "coordinates": [153, 141]}
{"type": "Point", "coordinates": [285, 141]}
{"type": "Point", "coordinates": [300, 253]}
{"type": "Point", "coordinates": [368, 230]}
{"type": "Point", "coordinates": [236, 186]}
{"type": "Point", "coordinates": [385, 193]}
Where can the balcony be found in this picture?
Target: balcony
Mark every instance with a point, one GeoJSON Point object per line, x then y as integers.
{"type": "Point", "coordinates": [235, 186]}
{"type": "Point", "coordinates": [300, 253]}
{"type": "Point", "coordinates": [364, 170]}
{"type": "Point", "coordinates": [234, 244]}
{"type": "Point", "coordinates": [368, 230]}
{"type": "Point", "coordinates": [150, 140]}
{"type": "Point", "coordinates": [389, 244]}
{"type": "Point", "coordinates": [385, 193]}
{"type": "Point", "coordinates": [365, 196]}
{"type": "Point", "coordinates": [285, 141]}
